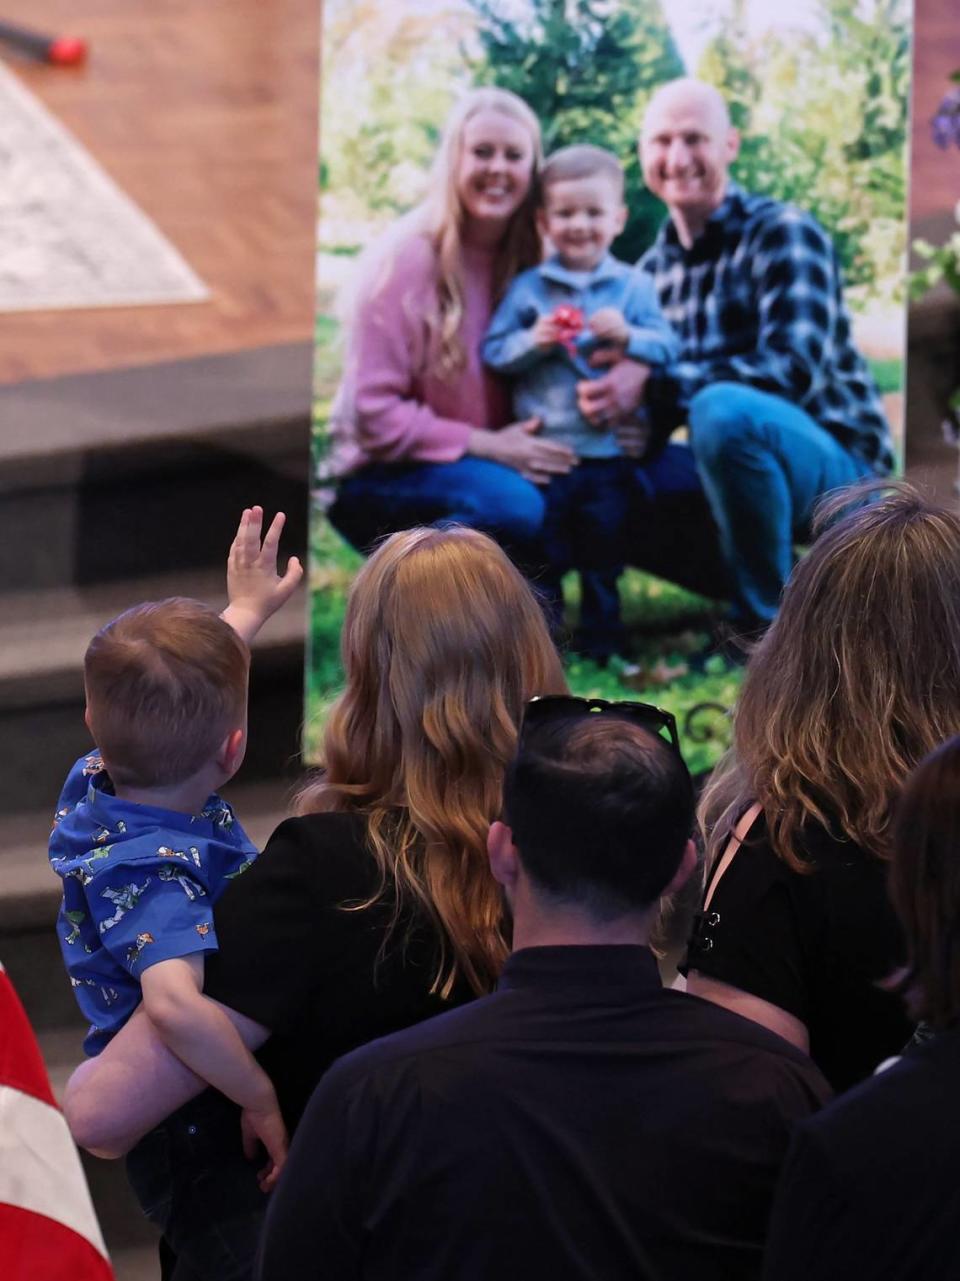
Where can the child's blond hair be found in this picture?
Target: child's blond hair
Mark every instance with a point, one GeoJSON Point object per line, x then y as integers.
{"type": "Point", "coordinates": [583, 160]}
{"type": "Point", "coordinates": [166, 681]}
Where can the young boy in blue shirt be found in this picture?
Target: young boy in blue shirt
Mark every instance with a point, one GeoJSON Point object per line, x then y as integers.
{"type": "Point", "coordinates": [143, 844]}
{"type": "Point", "coordinates": [551, 321]}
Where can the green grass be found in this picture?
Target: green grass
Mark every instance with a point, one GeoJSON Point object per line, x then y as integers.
{"type": "Point", "coordinates": [887, 374]}
{"type": "Point", "coordinates": [664, 622]}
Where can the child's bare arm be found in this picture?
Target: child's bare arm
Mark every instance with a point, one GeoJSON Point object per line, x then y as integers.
{"type": "Point", "coordinates": [200, 1034]}
{"type": "Point", "coordinates": [113, 1100]}
{"type": "Point", "coordinates": [255, 589]}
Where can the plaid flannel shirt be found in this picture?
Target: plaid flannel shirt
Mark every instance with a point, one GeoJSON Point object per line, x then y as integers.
{"type": "Point", "coordinates": [758, 300]}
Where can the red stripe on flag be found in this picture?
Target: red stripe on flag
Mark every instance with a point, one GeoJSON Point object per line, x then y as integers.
{"type": "Point", "coordinates": [20, 1063]}
{"type": "Point", "coordinates": [35, 1248]}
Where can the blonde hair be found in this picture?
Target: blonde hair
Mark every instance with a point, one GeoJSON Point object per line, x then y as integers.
{"type": "Point", "coordinates": [165, 683]}
{"type": "Point", "coordinates": [439, 219]}
{"type": "Point", "coordinates": [443, 643]}
{"type": "Point", "coordinates": [855, 681]}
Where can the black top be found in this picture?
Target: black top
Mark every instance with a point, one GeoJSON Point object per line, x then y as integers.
{"type": "Point", "coordinates": [871, 1187]}
{"type": "Point", "coordinates": [580, 1124]}
{"type": "Point", "coordinates": [323, 978]}
{"type": "Point", "coordinates": [814, 944]}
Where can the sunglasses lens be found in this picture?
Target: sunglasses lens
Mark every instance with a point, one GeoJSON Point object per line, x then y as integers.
{"type": "Point", "coordinates": [560, 705]}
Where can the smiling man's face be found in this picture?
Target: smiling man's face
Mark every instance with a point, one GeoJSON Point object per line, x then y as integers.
{"type": "Point", "coordinates": [686, 147]}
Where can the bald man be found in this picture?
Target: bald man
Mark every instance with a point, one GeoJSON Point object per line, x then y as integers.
{"type": "Point", "coordinates": [780, 405]}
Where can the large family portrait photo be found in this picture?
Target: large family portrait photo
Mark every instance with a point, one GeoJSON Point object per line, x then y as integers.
{"type": "Point", "coordinates": [619, 283]}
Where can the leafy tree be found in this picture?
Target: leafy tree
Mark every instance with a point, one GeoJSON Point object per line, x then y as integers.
{"type": "Point", "coordinates": [389, 77]}
{"type": "Point", "coordinates": [587, 68]}
{"type": "Point", "coordinates": [824, 124]}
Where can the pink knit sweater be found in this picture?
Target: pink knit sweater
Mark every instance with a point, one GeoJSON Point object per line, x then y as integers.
{"type": "Point", "coordinates": [393, 405]}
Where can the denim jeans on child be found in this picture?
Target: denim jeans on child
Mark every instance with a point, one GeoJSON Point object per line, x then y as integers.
{"type": "Point", "coordinates": [194, 1184]}
{"type": "Point", "coordinates": [584, 529]}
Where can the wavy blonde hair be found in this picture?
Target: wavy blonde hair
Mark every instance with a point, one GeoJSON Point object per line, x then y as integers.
{"type": "Point", "coordinates": [439, 218]}
{"type": "Point", "coordinates": [443, 643]}
{"type": "Point", "coordinates": [855, 681]}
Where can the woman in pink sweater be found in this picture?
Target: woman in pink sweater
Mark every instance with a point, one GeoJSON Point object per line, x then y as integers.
{"type": "Point", "coordinates": [420, 430]}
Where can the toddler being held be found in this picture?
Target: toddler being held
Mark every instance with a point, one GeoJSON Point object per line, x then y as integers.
{"type": "Point", "coordinates": [141, 840]}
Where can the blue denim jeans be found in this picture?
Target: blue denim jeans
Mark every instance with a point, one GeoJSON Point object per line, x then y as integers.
{"type": "Point", "coordinates": [761, 463]}
{"type": "Point", "coordinates": [384, 497]}
{"type": "Point", "coordinates": [584, 528]}
{"type": "Point", "coordinates": [193, 1183]}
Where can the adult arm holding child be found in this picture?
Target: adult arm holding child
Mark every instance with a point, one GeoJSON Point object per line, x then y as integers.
{"type": "Point", "coordinates": [201, 1035]}
{"type": "Point", "coordinates": [113, 1100]}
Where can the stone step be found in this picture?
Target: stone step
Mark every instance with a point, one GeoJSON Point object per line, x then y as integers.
{"type": "Point", "coordinates": [30, 892]}
{"type": "Point", "coordinates": [44, 633]}
{"type": "Point", "coordinates": [43, 636]}
{"type": "Point", "coordinates": [129, 472]}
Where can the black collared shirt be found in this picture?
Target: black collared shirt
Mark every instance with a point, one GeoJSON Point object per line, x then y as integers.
{"type": "Point", "coordinates": [758, 299]}
{"type": "Point", "coordinates": [870, 1188]}
{"type": "Point", "coordinates": [580, 1123]}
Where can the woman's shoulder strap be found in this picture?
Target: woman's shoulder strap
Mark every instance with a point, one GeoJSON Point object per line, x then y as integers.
{"type": "Point", "coordinates": [737, 837]}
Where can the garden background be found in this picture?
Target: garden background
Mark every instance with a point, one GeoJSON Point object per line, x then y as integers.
{"type": "Point", "coordinates": [821, 98]}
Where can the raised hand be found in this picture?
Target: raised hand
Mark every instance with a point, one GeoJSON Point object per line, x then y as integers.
{"type": "Point", "coordinates": [255, 588]}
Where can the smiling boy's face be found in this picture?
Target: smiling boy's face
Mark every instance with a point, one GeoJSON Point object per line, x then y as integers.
{"type": "Point", "coordinates": [582, 217]}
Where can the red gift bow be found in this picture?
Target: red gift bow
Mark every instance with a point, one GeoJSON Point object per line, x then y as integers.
{"type": "Point", "coordinates": [569, 321]}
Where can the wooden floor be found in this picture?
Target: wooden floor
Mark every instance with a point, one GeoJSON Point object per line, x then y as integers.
{"type": "Point", "coordinates": [205, 114]}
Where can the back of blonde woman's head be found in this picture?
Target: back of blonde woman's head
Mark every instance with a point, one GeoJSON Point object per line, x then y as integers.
{"type": "Point", "coordinates": [443, 643]}
{"type": "Point", "coordinates": [857, 678]}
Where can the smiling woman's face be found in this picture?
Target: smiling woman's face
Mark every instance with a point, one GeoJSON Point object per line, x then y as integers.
{"type": "Point", "coordinates": [495, 169]}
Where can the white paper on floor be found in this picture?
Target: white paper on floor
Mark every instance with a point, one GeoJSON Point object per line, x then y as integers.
{"type": "Point", "coordinates": [69, 237]}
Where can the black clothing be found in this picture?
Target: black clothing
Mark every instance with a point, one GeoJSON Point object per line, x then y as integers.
{"type": "Point", "coordinates": [815, 944]}
{"type": "Point", "coordinates": [323, 978]}
{"type": "Point", "coordinates": [580, 1124]}
{"type": "Point", "coordinates": [871, 1187]}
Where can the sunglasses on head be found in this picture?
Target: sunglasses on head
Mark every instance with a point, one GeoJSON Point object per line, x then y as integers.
{"type": "Point", "coordinates": [549, 706]}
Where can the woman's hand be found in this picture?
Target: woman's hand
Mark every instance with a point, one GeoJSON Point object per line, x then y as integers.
{"type": "Point", "coordinates": [518, 446]}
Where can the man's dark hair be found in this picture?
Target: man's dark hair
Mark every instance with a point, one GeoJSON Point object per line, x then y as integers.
{"type": "Point", "coordinates": [600, 810]}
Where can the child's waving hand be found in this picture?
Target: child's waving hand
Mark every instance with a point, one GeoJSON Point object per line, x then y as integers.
{"type": "Point", "coordinates": [255, 588]}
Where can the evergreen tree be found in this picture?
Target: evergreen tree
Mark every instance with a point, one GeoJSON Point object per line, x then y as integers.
{"type": "Point", "coordinates": [587, 68]}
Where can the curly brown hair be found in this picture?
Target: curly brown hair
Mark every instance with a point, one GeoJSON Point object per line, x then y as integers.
{"type": "Point", "coordinates": [855, 681]}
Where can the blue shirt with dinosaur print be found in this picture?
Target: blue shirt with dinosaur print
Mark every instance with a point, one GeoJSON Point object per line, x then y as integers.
{"type": "Point", "coordinates": [139, 886]}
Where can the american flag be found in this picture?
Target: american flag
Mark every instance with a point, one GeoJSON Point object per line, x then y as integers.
{"type": "Point", "coordinates": [48, 1230]}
